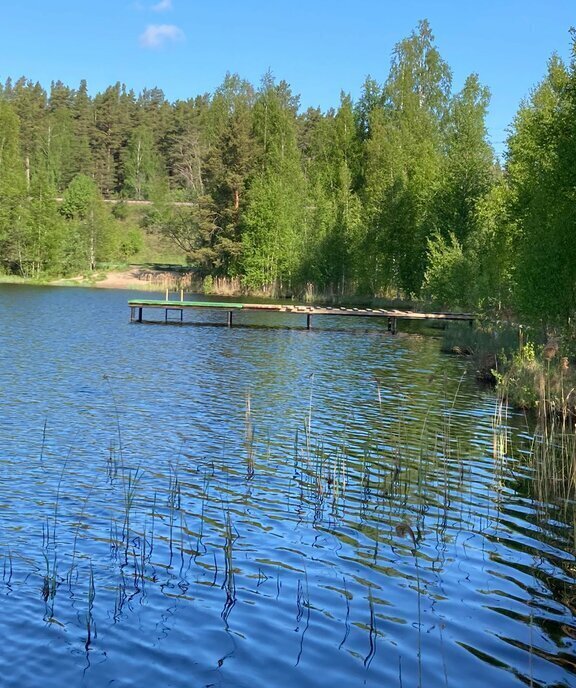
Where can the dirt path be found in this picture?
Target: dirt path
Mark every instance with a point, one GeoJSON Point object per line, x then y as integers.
{"type": "Point", "coordinates": [147, 279]}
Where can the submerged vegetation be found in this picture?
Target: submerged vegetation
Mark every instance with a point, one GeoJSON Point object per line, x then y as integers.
{"type": "Point", "coordinates": [274, 498]}
{"type": "Point", "coordinates": [392, 506]}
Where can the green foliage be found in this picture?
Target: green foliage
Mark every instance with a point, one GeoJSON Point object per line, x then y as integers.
{"type": "Point", "coordinates": [120, 210]}
{"type": "Point", "coordinates": [192, 228]}
{"type": "Point", "coordinates": [90, 238]}
{"type": "Point", "coordinates": [448, 280]}
{"type": "Point", "coordinates": [13, 190]}
{"type": "Point", "coordinates": [540, 378]}
{"type": "Point", "coordinates": [272, 241]}
{"type": "Point", "coordinates": [332, 221]}
{"type": "Point", "coordinates": [491, 250]}
{"type": "Point", "coordinates": [467, 170]}
{"type": "Point", "coordinates": [523, 379]}
{"type": "Point", "coordinates": [403, 164]}
{"type": "Point", "coordinates": [141, 167]}
{"type": "Point", "coordinates": [80, 198]}
{"type": "Point", "coordinates": [45, 235]}
{"type": "Point", "coordinates": [208, 284]}
{"type": "Point", "coordinates": [130, 242]}
{"type": "Point", "coordinates": [397, 193]}
{"type": "Point", "coordinates": [541, 179]}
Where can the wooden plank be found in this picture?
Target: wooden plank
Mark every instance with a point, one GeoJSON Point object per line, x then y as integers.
{"type": "Point", "coordinates": [393, 314]}
{"type": "Point", "coordinates": [189, 304]}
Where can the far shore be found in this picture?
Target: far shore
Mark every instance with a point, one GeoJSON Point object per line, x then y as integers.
{"type": "Point", "coordinates": [147, 279]}
{"type": "Point", "coordinates": [160, 279]}
{"type": "Point", "coordinates": [135, 278]}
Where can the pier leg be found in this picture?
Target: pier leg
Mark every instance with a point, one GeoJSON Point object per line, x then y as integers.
{"type": "Point", "coordinates": [229, 318]}
{"type": "Point", "coordinates": [389, 324]}
{"type": "Point", "coordinates": [393, 326]}
{"type": "Point", "coordinates": [140, 314]}
{"type": "Point", "coordinates": [131, 313]}
{"type": "Point", "coordinates": [308, 321]}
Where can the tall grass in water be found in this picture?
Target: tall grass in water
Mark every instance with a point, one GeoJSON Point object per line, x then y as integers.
{"type": "Point", "coordinates": [249, 436]}
{"type": "Point", "coordinates": [229, 584]}
{"type": "Point", "coordinates": [90, 627]}
{"type": "Point", "coordinates": [542, 382]}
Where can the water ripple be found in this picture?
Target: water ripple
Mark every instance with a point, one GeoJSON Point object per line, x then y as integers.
{"type": "Point", "coordinates": [263, 506]}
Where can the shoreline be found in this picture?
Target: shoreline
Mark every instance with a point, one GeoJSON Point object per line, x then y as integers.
{"type": "Point", "coordinates": [135, 278]}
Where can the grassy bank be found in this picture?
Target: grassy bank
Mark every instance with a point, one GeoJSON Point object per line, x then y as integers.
{"type": "Point", "coordinates": [538, 379]}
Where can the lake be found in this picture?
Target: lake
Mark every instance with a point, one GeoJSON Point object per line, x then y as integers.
{"type": "Point", "coordinates": [265, 506]}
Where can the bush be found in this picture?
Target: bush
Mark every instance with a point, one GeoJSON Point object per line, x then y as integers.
{"type": "Point", "coordinates": [539, 378]}
{"type": "Point", "coordinates": [449, 276]}
{"type": "Point", "coordinates": [208, 284]}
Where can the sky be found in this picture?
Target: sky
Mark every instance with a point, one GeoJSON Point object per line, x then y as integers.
{"type": "Point", "coordinates": [320, 47]}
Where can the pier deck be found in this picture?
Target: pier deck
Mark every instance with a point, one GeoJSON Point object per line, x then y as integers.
{"type": "Point", "coordinates": [393, 316]}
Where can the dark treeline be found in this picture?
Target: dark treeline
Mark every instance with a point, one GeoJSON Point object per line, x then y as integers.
{"type": "Point", "coordinates": [397, 193]}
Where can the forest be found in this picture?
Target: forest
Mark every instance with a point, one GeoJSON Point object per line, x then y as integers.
{"type": "Point", "coordinates": [398, 193]}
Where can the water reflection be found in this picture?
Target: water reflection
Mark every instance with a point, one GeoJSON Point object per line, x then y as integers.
{"type": "Point", "coordinates": [261, 507]}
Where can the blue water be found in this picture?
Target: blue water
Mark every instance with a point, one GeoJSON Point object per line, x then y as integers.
{"type": "Point", "coordinates": [263, 506]}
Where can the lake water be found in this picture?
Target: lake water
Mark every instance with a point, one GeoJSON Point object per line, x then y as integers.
{"type": "Point", "coordinates": [263, 506]}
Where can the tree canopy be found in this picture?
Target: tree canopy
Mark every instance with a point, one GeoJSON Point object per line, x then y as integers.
{"type": "Point", "coordinates": [398, 193]}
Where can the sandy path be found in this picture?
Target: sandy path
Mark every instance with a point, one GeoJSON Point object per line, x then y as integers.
{"type": "Point", "coordinates": [134, 278]}
{"type": "Point", "coordinates": [142, 278]}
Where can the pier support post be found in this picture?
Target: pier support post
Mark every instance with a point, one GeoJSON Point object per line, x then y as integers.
{"type": "Point", "coordinates": [392, 325]}
{"type": "Point", "coordinates": [308, 321]}
{"type": "Point", "coordinates": [140, 314]}
{"type": "Point", "coordinates": [172, 308]}
{"type": "Point", "coordinates": [229, 318]}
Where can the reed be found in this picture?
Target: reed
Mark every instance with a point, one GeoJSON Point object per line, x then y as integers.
{"type": "Point", "coordinates": [372, 630]}
{"type": "Point", "coordinates": [90, 627]}
{"type": "Point", "coordinates": [7, 569]}
{"type": "Point", "coordinates": [76, 535]}
{"type": "Point", "coordinates": [302, 612]}
{"type": "Point", "coordinates": [229, 584]}
{"type": "Point", "coordinates": [249, 436]}
{"type": "Point", "coordinates": [390, 475]}
{"type": "Point", "coordinates": [130, 481]}
{"type": "Point", "coordinates": [541, 381]}
{"type": "Point", "coordinates": [50, 585]}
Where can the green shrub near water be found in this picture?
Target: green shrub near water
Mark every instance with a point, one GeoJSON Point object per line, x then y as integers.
{"type": "Point", "coordinates": [540, 378]}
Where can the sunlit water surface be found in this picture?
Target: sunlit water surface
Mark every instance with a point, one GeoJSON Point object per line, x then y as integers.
{"type": "Point", "coordinates": [263, 506]}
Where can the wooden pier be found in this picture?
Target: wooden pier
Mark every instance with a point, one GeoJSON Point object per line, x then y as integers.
{"type": "Point", "coordinates": [392, 315]}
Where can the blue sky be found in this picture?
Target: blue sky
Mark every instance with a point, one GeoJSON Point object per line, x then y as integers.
{"type": "Point", "coordinates": [320, 47]}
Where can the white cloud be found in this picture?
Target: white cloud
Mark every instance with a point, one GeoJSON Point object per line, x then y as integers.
{"type": "Point", "coordinates": [157, 35]}
{"type": "Point", "coordinates": [162, 6]}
